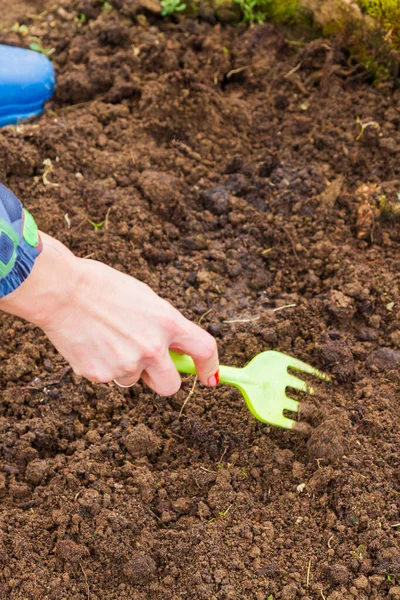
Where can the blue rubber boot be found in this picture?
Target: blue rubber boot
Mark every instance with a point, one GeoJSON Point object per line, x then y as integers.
{"type": "Point", "coordinates": [27, 80]}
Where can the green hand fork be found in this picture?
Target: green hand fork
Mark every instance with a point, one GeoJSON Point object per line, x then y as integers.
{"type": "Point", "coordinates": [263, 383]}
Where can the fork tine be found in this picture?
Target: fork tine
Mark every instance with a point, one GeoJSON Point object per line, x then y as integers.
{"type": "Point", "coordinates": [291, 404]}
{"type": "Point", "coordinates": [287, 423]}
{"type": "Point", "coordinates": [298, 384]}
{"type": "Point", "coordinates": [299, 365]}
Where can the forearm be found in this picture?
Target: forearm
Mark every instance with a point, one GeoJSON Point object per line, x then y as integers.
{"type": "Point", "coordinates": [48, 288]}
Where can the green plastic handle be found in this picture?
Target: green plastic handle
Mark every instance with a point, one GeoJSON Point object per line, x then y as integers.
{"type": "Point", "coordinates": [229, 375]}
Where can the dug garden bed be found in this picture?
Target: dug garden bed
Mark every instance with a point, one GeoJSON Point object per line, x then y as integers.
{"type": "Point", "coordinates": [254, 183]}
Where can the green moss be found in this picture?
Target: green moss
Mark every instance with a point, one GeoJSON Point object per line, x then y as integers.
{"type": "Point", "coordinates": [278, 11]}
{"type": "Point", "coordinates": [387, 15]}
{"type": "Point", "coordinates": [365, 40]}
{"type": "Point", "coordinates": [389, 208]}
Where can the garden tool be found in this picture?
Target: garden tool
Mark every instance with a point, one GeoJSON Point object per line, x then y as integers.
{"type": "Point", "coordinates": [263, 383]}
{"type": "Point", "coordinates": [27, 80]}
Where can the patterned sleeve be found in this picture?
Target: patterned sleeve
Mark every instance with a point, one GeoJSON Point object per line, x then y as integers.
{"type": "Point", "coordinates": [20, 243]}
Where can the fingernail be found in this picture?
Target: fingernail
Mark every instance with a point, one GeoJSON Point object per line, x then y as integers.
{"type": "Point", "coordinates": [214, 379]}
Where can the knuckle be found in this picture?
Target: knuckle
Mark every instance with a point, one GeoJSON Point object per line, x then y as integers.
{"type": "Point", "coordinates": [153, 351]}
{"type": "Point", "coordinates": [170, 322]}
{"type": "Point", "coordinates": [209, 348]}
{"type": "Point", "coordinates": [128, 369]}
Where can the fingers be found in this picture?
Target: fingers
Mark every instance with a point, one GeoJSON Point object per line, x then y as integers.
{"type": "Point", "coordinates": [202, 347]}
{"type": "Point", "coordinates": [128, 381]}
{"type": "Point", "coordinates": [163, 377]}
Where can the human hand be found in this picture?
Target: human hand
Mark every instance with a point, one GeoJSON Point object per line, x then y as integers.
{"type": "Point", "coordinates": [110, 326]}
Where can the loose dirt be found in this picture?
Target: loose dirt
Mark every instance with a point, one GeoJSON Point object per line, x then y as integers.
{"type": "Point", "coordinates": [225, 165]}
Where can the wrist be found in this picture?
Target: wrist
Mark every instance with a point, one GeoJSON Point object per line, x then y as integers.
{"type": "Point", "coordinates": [47, 291]}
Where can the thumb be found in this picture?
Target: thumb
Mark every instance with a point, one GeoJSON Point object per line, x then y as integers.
{"type": "Point", "coordinates": [202, 347]}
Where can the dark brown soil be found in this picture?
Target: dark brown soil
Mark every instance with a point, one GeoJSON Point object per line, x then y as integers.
{"type": "Point", "coordinates": [233, 188]}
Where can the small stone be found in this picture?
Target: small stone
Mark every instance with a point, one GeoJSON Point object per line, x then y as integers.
{"type": "Point", "coordinates": [141, 441]}
{"type": "Point", "coordinates": [338, 574]}
{"type": "Point", "coordinates": [102, 140]}
{"type": "Point", "coordinates": [338, 358]}
{"type": "Point", "coordinates": [220, 575]}
{"type": "Point", "coordinates": [269, 335]}
{"type": "Point", "coordinates": [341, 306]}
{"type": "Point", "coordinates": [215, 329]}
{"type": "Point", "coordinates": [268, 531]}
{"type": "Point", "coordinates": [298, 470]}
{"type": "Point", "coordinates": [216, 200]}
{"type": "Point", "coordinates": [90, 503]}
{"type": "Point", "coordinates": [70, 551]}
{"type": "Point", "coordinates": [36, 471]}
{"type": "Point", "coordinates": [376, 580]}
{"type": "Point", "coordinates": [268, 165]}
{"type": "Point", "coordinates": [141, 569]}
{"type": "Point", "coordinates": [388, 144]}
{"type": "Point", "coordinates": [289, 592]}
{"type": "Point", "coordinates": [153, 6]}
{"type": "Point", "coordinates": [368, 334]}
{"type": "Point", "coordinates": [327, 441]}
{"type": "Point", "coordinates": [229, 592]}
{"type": "Point", "coordinates": [254, 552]}
{"type": "Point", "coordinates": [337, 596]}
{"type": "Point", "coordinates": [182, 505]}
{"type": "Point", "coordinates": [395, 338]}
{"type": "Point", "coordinates": [375, 321]}
{"type": "Point", "coordinates": [203, 276]}
{"type": "Point", "coordinates": [394, 592]}
{"type": "Point", "coordinates": [203, 510]}
{"type": "Point", "coordinates": [260, 280]}
{"type": "Point", "coordinates": [167, 516]}
{"type": "Point", "coordinates": [283, 457]}
{"type": "Point", "coordinates": [158, 187]}
{"type": "Point", "coordinates": [93, 436]}
{"type": "Point", "coordinates": [361, 583]}
{"type": "Point", "coordinates": [19, 490]}
{"type": "Point", "coordinates": [301, 487]}
{"type": "Point", "coordinates": [383, 358]}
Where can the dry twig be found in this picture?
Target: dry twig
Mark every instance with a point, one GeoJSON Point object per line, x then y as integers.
{"type": "Point", "coordinates": [86, 581]}
{"type": "Point", "coordinates": [190, 394]}
{"type": "Point", "coordinates": [283, 307]}
{"type": "Point", "coordinates": [308, 574]}
{"type": "Point", "coordinates": [251, 320]}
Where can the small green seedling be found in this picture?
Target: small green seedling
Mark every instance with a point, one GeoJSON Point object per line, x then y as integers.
{"type": "Point", "coordinates": [364, 126]}
{"type": "Point", "coordinates": [82, 18]}
{"type": "Point", "coordinates": [37, 47]}
{"type": "Point", "coordinates": [169, 7]}
{"type": "Point", "coordinates": [96, 226]}
{"type": "Point", "coordinates": [389, 207]}
{"type": "Point", "coordinates": [221, 514]}
{"type": "Point", "coordinates": [252, 11]}
{"type": "Point", "coordinates": [21, 29]}
{"type": "Point", "coordinates": [259, 11]}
